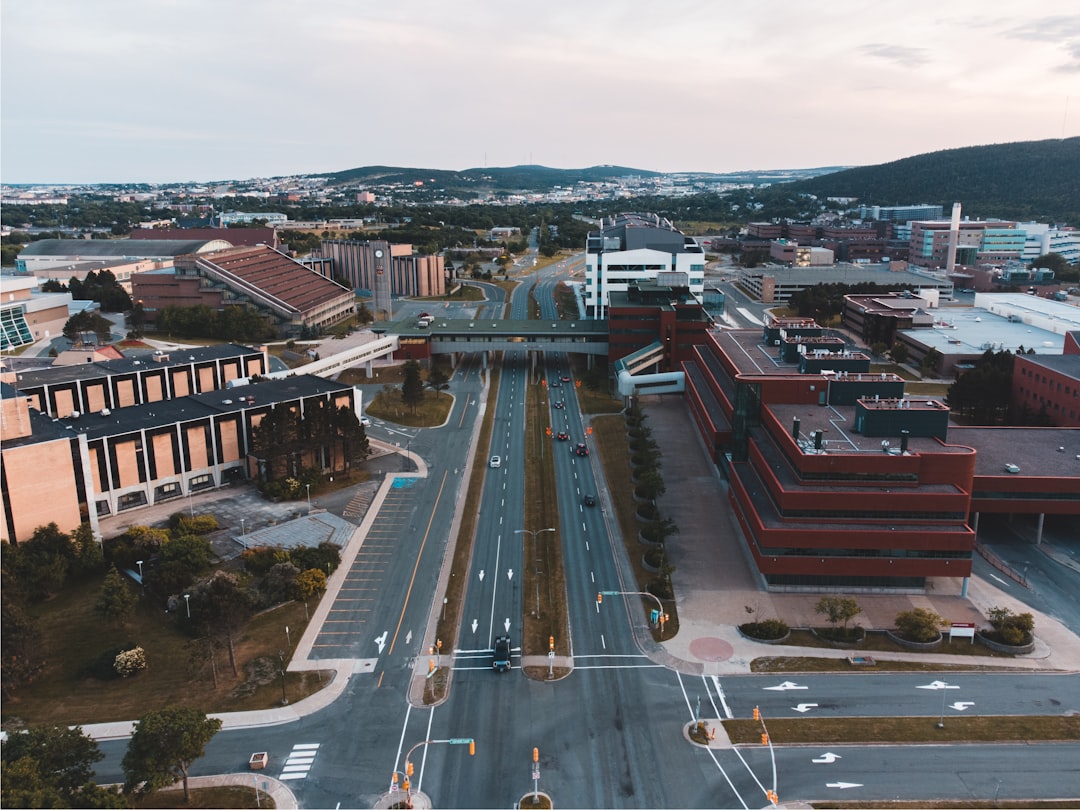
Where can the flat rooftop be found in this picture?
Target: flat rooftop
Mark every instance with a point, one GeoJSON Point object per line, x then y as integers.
{"type": "Point", "coordinates": [1038, 452]}
{"type": "Point", "coordinates": [974, 331]}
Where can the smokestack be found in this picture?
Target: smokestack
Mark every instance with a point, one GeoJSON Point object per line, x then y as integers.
{"type": "Point", "coordinates": [954, 238]}
{"type": "Point", "coordinates": [903, 440]}
{"type": "Point", "coordinates": [795, 428]}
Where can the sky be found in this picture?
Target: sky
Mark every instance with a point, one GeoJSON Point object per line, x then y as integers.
{"type": "Point", "coordinates": [162, 91]}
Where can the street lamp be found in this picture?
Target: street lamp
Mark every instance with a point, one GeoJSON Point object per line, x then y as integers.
{"type": "Point", "coordinates": [243, 534]}
{"type": "Point", "coordinates": [281, 669]}
{"type": "Point", "coordinates": [536, 561]}
{"type": "Point", "coordinates": [187, 604]}
{"type": "Point", "coordinates": [141, 582]}
{"type": "Point", "coordinates": [308, 497]}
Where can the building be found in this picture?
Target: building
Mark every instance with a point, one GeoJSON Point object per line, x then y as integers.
{"type": "Point", "coordinates": [52, 253]}
{"type": "Point", "coordinates": [839, 481]}
{"type": "Point", "coordinates": [1049, 385]}
{"type": "Point", "coordinates": [901, 213]}
{"type": "Point", "coordinates": [775, 284]}
{"type": "Point", "coordinates": [980, 242]}
{"type": "Point", "coordinates": [1040, 239]}
{"type": "Point", "coordinates": [877, 318]}
{"type": "Point", "coordinates": [26, 315]}
{"type": "Point", "coordinates": [795, 255]}
{"type": "Point", "coordinates": [77, 468]}
{"type": "Point", "coordinates": [295, 297]}
{"type": "Point", "coordinates": [631, 248]}
{"type": "Point", "coordinates": [236, 237]}
{"type": "Point", "coordinates": [651, 314]}
{"type": "Point", "coordinates": [375, 266]}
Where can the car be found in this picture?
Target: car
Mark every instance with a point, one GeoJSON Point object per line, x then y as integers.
{"type": "Point", "coordinates": [565, 378]}
{"type": "Point", "coordinates": [590, 500]}
{"type": "Point", "coordinates": [365, 422]}
{"type": "Point", "coordinates": [553, 384]}
{"type": "Point", "coordinates": [500, 658]}
{"type": "Point", "coordinates": [581, 449]}
{"type": "Point", "coordinates": [563, 436]}
{"type": "Point", "coordinates": [558, 405]}
{"type": "Point", "coordinates": [495, 462]}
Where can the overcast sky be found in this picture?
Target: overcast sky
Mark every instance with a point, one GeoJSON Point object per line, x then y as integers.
{"type": "Point", "coordinates": [199, 90]}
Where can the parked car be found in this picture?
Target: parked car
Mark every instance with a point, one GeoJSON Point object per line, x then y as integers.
{"type": "Point", "coordinates": [495, 462]}
{"type": "Point", "coordinates": [500, 659]}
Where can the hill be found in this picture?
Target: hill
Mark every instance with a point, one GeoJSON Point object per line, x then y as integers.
{"type": "Point", "coordinates": [512, 178]}
{"type": "Point", "coordinates": [1025, 180]}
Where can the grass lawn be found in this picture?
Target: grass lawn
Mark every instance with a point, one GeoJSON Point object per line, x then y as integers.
{"type": "Point", "coordinates": [73, 634]}
{"type": "Point", "coordinates": [431, 411]}
{"type": "Point", "coordinates": [804, 731]}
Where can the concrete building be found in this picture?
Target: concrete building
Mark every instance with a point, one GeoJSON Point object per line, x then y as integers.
{"type": "Point", "coordinates": [52, 253]}
{"type": "Point", "coordinates": [296, 297]}
{"type": "Point", "coordinates": [75, 469]}
{"type": "Point", "coordinates": [901, 213]}
{"type": "Point", "coordinates": [369, 265]}
{"type": "Point", "coordinates": [27, 315]}
{"type": "Point", "coordinates": [981, 242]}
{"type": "Point", "coordinates": [775, 284]}
{"type": "Point", "coordinates": [631, 248]}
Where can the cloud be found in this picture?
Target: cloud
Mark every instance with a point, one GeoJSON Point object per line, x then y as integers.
{"type": "Point", "coordinates": [1061, 31]}
{"type": "Point", "coordinates": [899, 54]}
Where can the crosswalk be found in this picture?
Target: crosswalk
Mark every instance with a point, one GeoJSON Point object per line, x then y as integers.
{"type": "Point", "coordinates": [358, 506]}
{"type": "Point", "coordinates": [299, 761]}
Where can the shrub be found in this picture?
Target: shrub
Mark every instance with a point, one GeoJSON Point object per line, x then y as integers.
{"type": "Point", "coordinates": [199, 524]}
{"type": "Point", "coordinates": [655, 558]}
{"type": "Point", "coordinates": [129, 662]}
{"type": "Point", "coordinates": [919, 625]}
{"type": "Point", "coordinates": [661, 588]}
{"type": "Point", "coordinates": [768, 629]}
{"type": "Point", "coordinates": [1011, 628]}
{"type": "Point", "coordinates": [103, 668]}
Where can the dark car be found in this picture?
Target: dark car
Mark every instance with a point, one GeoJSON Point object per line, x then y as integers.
{"type": "Point", "coordinates": [563, 436]}
{"type": "Point", "coordinates": [500, 659]}
{"type": "Point", "coordinates": [580, 449]}
{"type": "Point", "coordinates": [553, 384]}
{"type": "Point", "coordinates": [558, 405]}
{"type": "Point", "coordinates": [590, 500]}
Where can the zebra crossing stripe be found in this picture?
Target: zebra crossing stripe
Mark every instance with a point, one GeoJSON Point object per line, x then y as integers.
{"type": "Point", "coordinates": [299, 761]}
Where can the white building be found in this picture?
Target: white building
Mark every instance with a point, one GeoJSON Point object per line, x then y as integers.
{"type": "Point", "coordinates": [1041, 239]}
{"type": "Point", "coordinates": [639, 247]}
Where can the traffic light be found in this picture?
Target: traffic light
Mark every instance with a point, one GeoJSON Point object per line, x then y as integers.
{"type": "Point", "coordinates": [551, 642]}
{"type": "Point", "coordinates": [536, 755]}
{"type": "Point", "coordinates": [757, 713]}
{"type": "Point", "coordinates": [599, 598]}
{"type": "Point", "coordinates": [393, 782]}
{"type": "Point", "coordinates": [588, 431]}
{"type": "Point", "coordinates": [472, 748]}
{"type": "Point", "coordinates": [764, 739]}
{"type": "Point", "coordinates": [408, 769]}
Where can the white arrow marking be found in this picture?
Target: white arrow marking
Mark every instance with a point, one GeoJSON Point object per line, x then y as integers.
{"type": "Point", "coordinates": [474, 625]}
{"type": "Point", "coordinates": [842, 785]}
{"type": "Point", "coordinates": [785, 686]}
{"type": "Point", "coordinates": [381, 640]}
{"type": "Point", "coordinates": [509, 573]}
{"type": "Point", "coordinates": [960, 705]}
{"type": "Point", "coordinates": [481, 575]}
{"type": "Point", "coordinates": [408, 637]}
{"type": "Point", "coordinates": [804, 707]}
{"type": "Point", "coordinates": [828, 758]}
{"type": "Point", "coordinates": [506, 624]}
{"type": "Point", "coordinates": [938, 685]}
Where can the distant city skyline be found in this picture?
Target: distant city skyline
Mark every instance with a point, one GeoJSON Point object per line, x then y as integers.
{"type": "Point", "coordinates": [122, 91]}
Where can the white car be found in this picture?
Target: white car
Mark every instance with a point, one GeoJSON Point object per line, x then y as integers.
{"type": "Point", "coordinates": [365, 422]}
{"type": "Point", "coordinates": [495, 462]}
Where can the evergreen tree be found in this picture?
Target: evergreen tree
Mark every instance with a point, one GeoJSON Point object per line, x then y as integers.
{"type": "Point", "coordinates": [412, 387]}
{"type": "Point", "coordinates": [116, 601]}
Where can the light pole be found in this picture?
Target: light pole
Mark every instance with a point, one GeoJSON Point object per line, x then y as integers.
{"type": "Point", "coordinates": [308, 486]}
{"type": "Point", "coordinates": [187, 604]}
{"type": "Point", "coordinates": [281, 669]}
{"type": "Point", "coordinates": [243, 534]}
{"type": "Point", "coordinates": [469, 741]}
{"type": "Point", "coordinates": [141, 582]}
{"type": "Point", "coordinates": [536, 560]}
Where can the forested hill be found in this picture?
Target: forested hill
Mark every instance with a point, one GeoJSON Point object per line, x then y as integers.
{"type": "Point", "coordinates": [1028, 180]}
{"type": "Point", "coordinates": [536, 178]}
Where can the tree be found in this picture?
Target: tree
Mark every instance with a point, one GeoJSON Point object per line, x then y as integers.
{"type": "Point", "coordinates": [116, 600]}
{"type": "Point", "coordinates": [82, 322]}
{"type": "Point", "coordinates": [309, 583]}
{"type": "Point", "coordinates": [20, 645]}
{"type": "Point", "coordinates": [1011, 628]}
{"type": "Point", "coordinates": [51, 766]}
{"type": "Point", "coordinates": [838, 609]}
{"type": "Point", "coordinates": [899, 352]}
{"type": "Point", "coordinates": [919, 625]}
{"type": "Point", "coordinates": [163, 748]}
{"type": "Point", "coordinates": [412, 387]}
{"type": "Point", "coordinates": [438, 380]}
{"type": "Point", "coordinates": [931, 363]}
{"type": "Point", "coordinates": [221, 606]}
